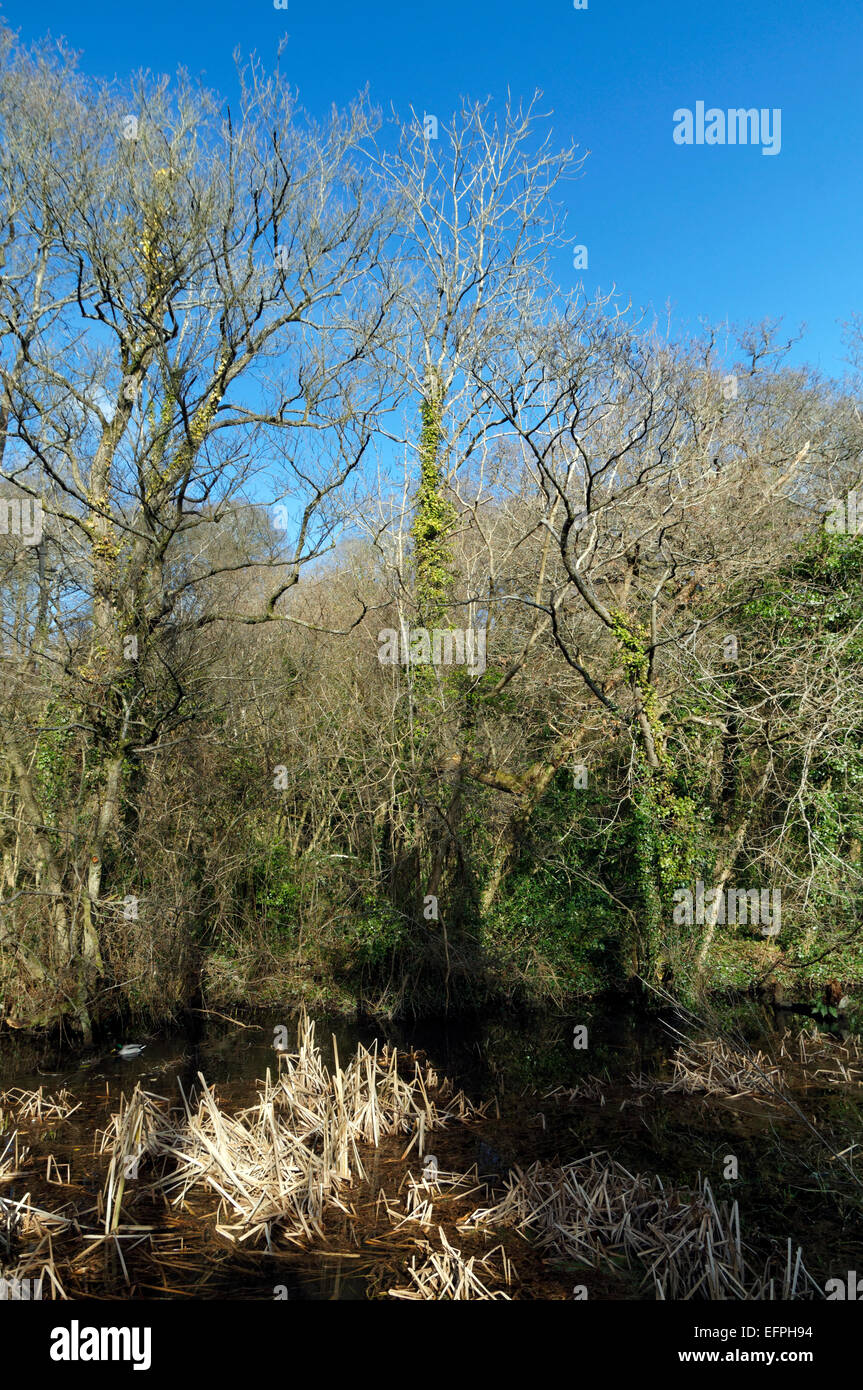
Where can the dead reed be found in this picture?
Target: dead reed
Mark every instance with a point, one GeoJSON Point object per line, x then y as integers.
{"type": "Point", "coordinates": [281, 1163]}
{"type": "Point", "coordinates": [713, 1068]}
{"type": "Point", "coordinates": [139, 1128]}
{"type": "Point", "coordinates": [27, 1238]}
{"type": "Point", "coordinates": [35, 1105]}
{"type": "Point", "coordinates": [290, 1173]}
{"type": "Point", "coordinates": [448, 1274]}
{"type": "Point", "coordinates": [12, 1157]}
{"type": "Point", "coordinates": [435, 1189]}
{"type": "Point", "coordinates": [841, 1060]}
{"type": "Point", "coordinates": [597, 1213]}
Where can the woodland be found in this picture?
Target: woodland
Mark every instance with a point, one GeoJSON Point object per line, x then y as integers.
{"type": "Point", "coordinates": [383, 628]}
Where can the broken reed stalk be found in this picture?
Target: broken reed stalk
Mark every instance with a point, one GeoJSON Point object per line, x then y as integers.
{"type": "Point", "coordinates": [21, 1269]}
{"type": "Point", "coordinates": [448, 1274]}
{"type": "Point", "coordinates": [596, 1212]}
{"type": "Point", "coordinates": [35, 1105]}
{"type": "Point", "coordinates": [714, 1068]}
{"type": "Point", "coordinates": [281, 1163]}
{"type": "Point", "coordinates": [132, 1133]}
{"type": "Point", "coordinates": [12, 1156]}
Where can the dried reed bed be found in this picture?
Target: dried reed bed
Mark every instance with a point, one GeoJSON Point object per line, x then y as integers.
{"type": "Point", "coordinates": [27, 1233]}
{"type": "Point", "coordinates": [841, 1060]}
{"type": "Point", "coordinates": [280, 1164]}
{"type": "Point", "coordinates": [714, 1068]}
{"type": "Point", "coordinates": [448, 1274]}
{"type": "Point", "coordinates": [432, 1192]}
{"type": "Point", "coordinates": [36, 1105]}
{"type": "Point", "coordinates": [278, 1168]}
{"type": "Point", "coordinates": [594, 1211]}
{"type": "Point", "coordinates": [288, 1172]}
{"type": "Point", "coordinates": [591, 1088]}
{"type": "Point", "coordinates": [27, 1244]}
{"type": "Point", "coordinates": [140, 1127]}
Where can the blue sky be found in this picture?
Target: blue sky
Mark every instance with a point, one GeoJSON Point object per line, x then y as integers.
{"type": "Point", "coordinates": [715, 231]}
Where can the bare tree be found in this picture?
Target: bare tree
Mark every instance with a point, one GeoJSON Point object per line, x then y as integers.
{"type": "Point", "coordinates": [188, 318]}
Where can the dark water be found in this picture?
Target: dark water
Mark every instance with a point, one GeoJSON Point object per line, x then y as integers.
{"type": "Point", "coordinates": [516, 1060]}
{"type": "Point", "coordinates": [478, 1055]}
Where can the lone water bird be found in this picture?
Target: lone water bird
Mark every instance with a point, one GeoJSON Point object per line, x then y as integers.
{"type": "Point", "coordinates": [130, 1049]}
